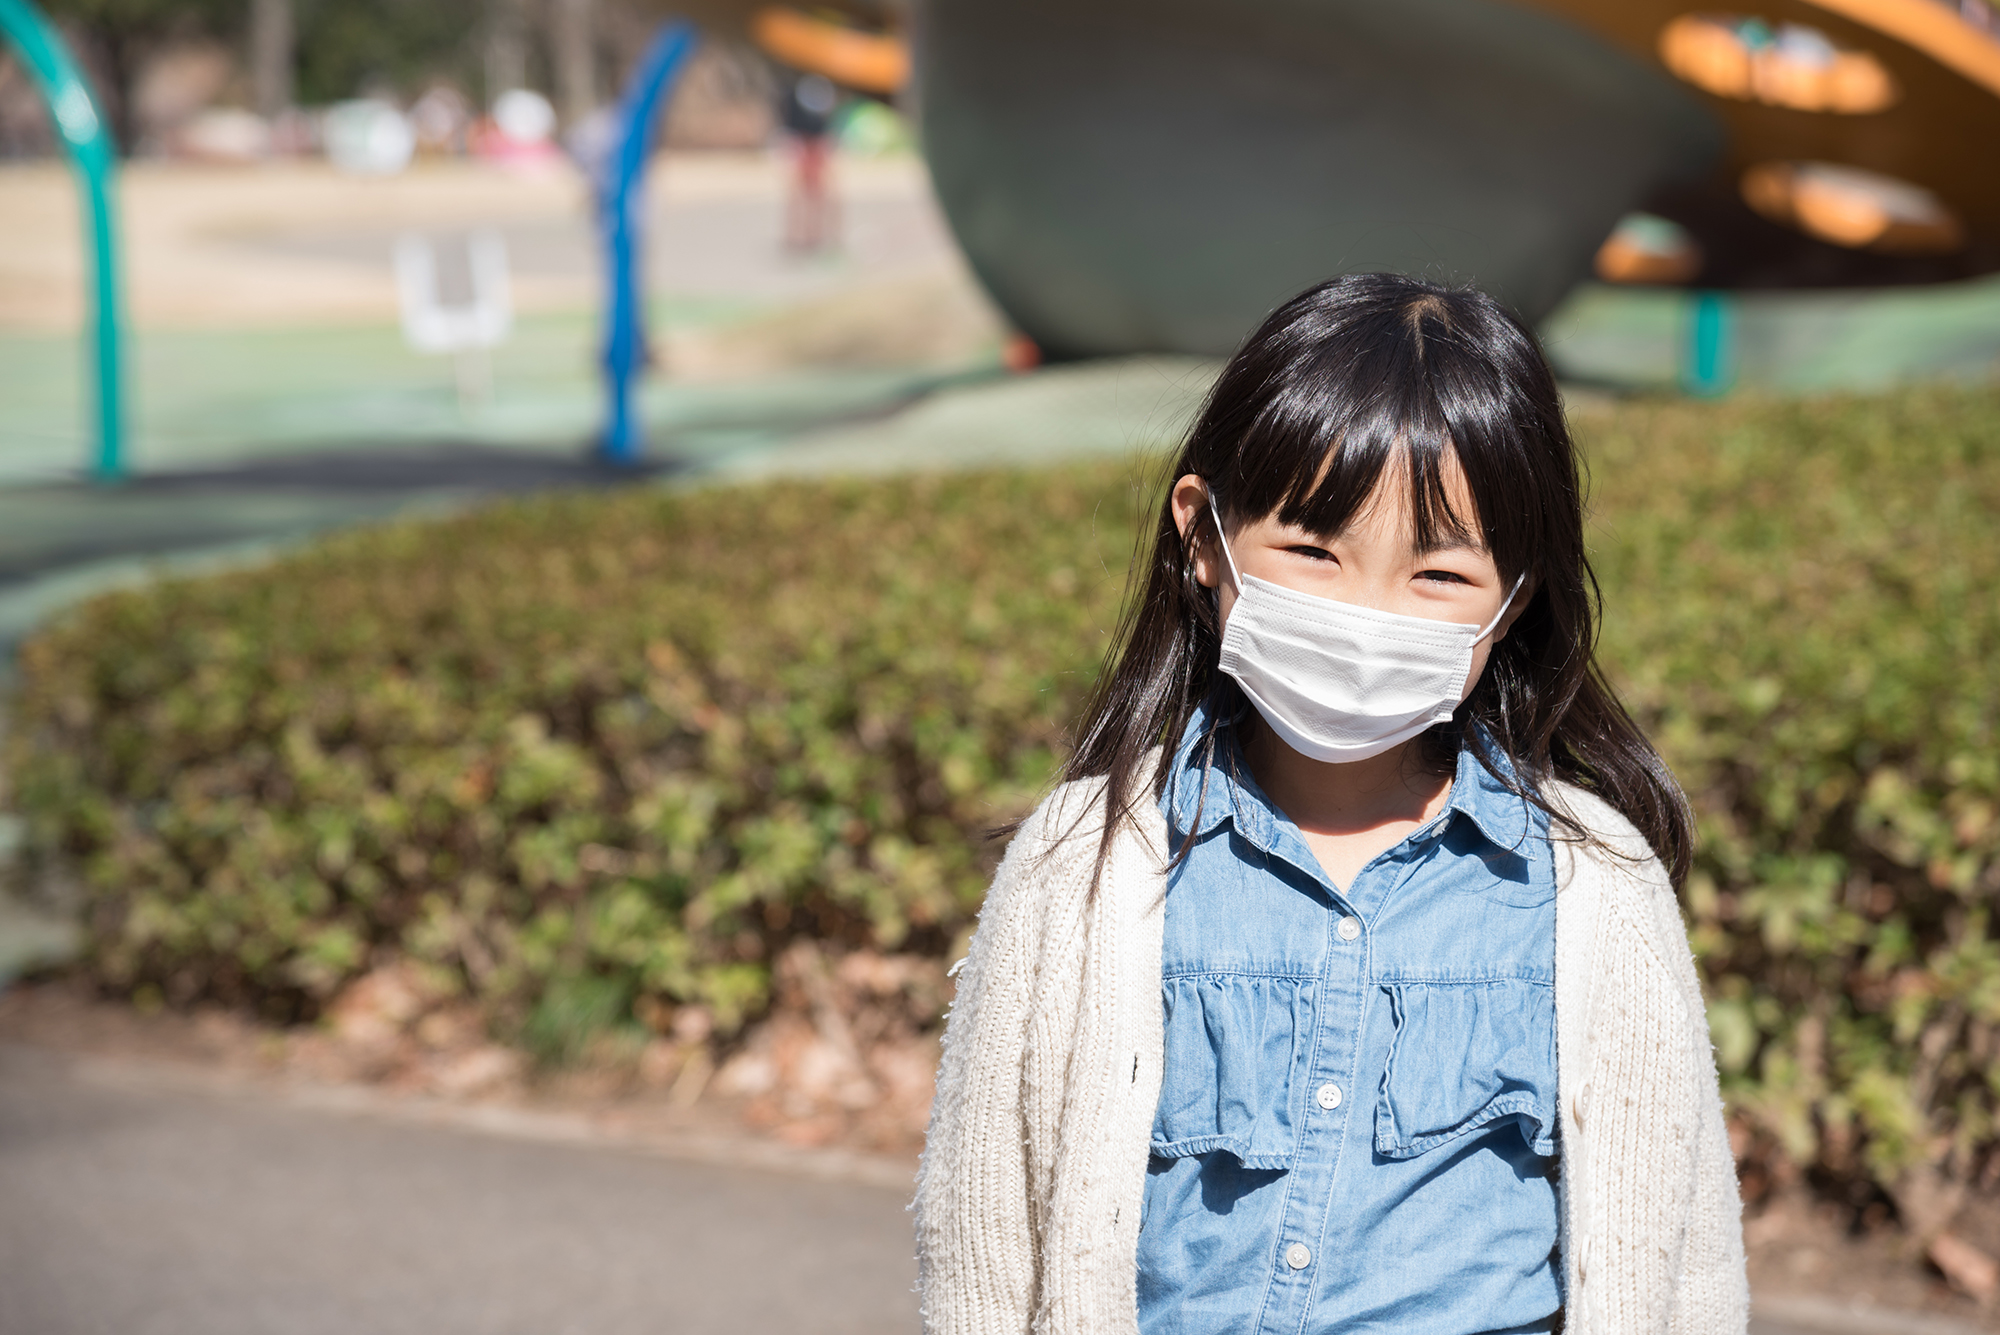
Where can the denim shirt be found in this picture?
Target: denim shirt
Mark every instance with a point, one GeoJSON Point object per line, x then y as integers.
{"type": "Point", "coordinates": [1356, 1126]}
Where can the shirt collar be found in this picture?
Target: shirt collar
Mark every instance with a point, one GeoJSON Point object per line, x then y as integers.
{"type": "Point", "coordinates": [1501, 817]}
{"type": "Point", "coordinates": [1229, 789]}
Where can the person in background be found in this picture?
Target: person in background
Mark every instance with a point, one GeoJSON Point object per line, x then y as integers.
{"type": "Point", "coordinates": [806, 106]}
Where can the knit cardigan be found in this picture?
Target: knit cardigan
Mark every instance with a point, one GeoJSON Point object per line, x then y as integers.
{"type": "Point", "coordinates": [1034, 1168]}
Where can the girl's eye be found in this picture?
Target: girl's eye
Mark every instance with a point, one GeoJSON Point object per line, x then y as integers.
{"type": "Point", "coordinates": [1311, 553]}
{"type": "Point", "coordinates": [1442, 576]}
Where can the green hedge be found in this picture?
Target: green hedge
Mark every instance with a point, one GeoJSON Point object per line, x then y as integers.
{"type": "Point", "coordinates": [1806, 614]}
{"type": "Point", "coordinates": [592, 757]}
{"type": "Point", "coordinates": [588, 750]}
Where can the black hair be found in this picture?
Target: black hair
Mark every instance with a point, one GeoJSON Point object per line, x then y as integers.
{"type": "Point", "coordinates": [1336, 385]}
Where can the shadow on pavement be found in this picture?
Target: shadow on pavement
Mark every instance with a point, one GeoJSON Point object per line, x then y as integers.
{"type": "Point", "coordinates": [466, 466]}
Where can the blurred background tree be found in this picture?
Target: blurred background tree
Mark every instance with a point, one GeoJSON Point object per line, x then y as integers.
{"type": "Point", "coordinates": [312, 52]}
{"type": "Point", "coordinates": [116, 38]}
{"type": "Point", "coordinates": [351, 47]}
{"type": "Point", "coordinates": [159, 63]}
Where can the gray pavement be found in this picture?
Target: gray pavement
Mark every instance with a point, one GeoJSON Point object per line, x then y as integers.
{"type": "Point", "coordinates": [143, 1210]}
{"type": "Point", "coordinates": [136, 1201]}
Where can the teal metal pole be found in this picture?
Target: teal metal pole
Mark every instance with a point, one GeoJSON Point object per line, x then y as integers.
{"type": "Point", "coordinates": [95, 157]}
{"type": "Point", "coordinates": [1708, 362]}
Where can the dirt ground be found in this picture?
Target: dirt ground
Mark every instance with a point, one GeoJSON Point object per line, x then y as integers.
{"type": "Point", "coordinates": [298, 243]}
{"type": "Point", "coordinates": [1817, 1249]}
{"type": "Point", "coordinates": [1800, 1248]}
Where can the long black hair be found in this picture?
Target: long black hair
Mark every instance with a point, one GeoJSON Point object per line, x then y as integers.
{"type": "Point", "coordinates": [1337, 384]}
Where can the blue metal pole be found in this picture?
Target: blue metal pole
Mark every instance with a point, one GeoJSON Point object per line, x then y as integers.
{"type": "Point", "coordinates": [621, 203]}
{"type": "Point", "coordinates": [1708, 368]}
{"type": "Point", "coordinates": [95, 157]}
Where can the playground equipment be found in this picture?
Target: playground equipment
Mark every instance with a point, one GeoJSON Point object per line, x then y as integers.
{"type": "Point", "coordinates": [464, 329]}
{"type": "Point", "coordinates": [869, 62]}
{"type": "Point", "coordinates": [1155, 175]}
{"type": "Point", "coordinates": [620, 210]}
{"type": "Point", "coordinates": [84, 134]}
{"type": "Point", "coordinates": [1706, 370]}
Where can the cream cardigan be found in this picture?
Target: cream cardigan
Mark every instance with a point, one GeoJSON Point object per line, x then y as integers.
{"type": "Point", "coordinates": [1034, 1167]}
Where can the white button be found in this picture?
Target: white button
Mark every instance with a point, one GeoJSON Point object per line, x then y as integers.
{"type": "Point", "coordinates": [1298, 1256]}
{"type": "Point", "coordinates": [1328, 1096]}
{"type": "Point", "coordinates": [1349, 928]}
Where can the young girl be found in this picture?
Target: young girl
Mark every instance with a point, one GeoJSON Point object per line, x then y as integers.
{"type": "Point", "coordinates": [1339, 986]}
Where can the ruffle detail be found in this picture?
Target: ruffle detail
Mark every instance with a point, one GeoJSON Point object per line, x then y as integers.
{"type": "Point", "coordinates": [1467, 1055]}
{"type": "Point", "coordinates": [1236, 1047]}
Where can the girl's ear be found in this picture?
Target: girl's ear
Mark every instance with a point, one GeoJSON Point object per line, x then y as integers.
{"type": "Point", "coordinates": [1191, 516]}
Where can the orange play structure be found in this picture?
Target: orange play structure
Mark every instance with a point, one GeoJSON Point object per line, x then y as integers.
{"type": "Point", "coordinates": [868, 62]}
{"type": "Point", "coordinates": [1865, 125]}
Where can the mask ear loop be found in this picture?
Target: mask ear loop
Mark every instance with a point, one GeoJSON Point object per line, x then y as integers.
{"type": "Point", "coordinates": [1229, 556]}
{"type": "Point", "coordinates": [1518, 581]}
{"type": "Point", "coordinates": [1242, 704]}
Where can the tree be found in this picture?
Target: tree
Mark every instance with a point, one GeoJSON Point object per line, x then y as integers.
{"type": "Point", "coordinates": [273, 55]}
{"type": "Point", "coordinates": [115, 38]}
{"type": "Point", "coordinates": [349, 47]}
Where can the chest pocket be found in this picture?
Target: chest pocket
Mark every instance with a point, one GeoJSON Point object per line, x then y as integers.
{"type": "Point", "coordinates": [1466, 1056]}
{"type": "Point", "coordinates": [1235, 1047]}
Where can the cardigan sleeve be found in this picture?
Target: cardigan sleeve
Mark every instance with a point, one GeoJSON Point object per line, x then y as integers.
{"type": "Point", "coordinates": [1711, 1287]}
{"type": "Point", "coordinates": [978, 1257]}
{"type": "Point", "coordinates": [1655, 1220]}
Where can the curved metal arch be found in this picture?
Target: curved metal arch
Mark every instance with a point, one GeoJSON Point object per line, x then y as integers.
{"type": "Point", "coordinates": [95, 157]}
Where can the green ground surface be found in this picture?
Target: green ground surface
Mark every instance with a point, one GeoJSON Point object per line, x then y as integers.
{"type": "Point", "coordinates": [1784, 342]}
{"type": "Point", "coordinates": [210, 397]}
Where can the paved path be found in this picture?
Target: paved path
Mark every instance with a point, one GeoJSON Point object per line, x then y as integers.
{"type": "Point", "coordinates": [146, 1206]}
{"type": "Point", "coordinates": [146, 1211]}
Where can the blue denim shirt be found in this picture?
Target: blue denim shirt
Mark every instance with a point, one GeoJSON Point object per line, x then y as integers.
{"type": "Point", "coordinates": [1356, 1127]}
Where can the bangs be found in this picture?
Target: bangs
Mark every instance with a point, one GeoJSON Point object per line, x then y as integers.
{"type": "Point", "coordinates": [1392, 394]}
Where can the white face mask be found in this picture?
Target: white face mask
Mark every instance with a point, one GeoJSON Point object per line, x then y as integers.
{"type": "Point", "coordinates": [1339, 682]}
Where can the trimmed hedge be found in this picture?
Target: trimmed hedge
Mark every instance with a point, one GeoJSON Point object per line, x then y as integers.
{"type": "Point", "coordinates": [590, 758]}
{"type": "Point", "coordinates": [580, 752]}
{"type": "Point", "coordinates": [1805, 612]}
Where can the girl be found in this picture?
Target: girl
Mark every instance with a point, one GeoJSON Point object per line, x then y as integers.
{"type": "Point", "coordinates": [1339, 985]}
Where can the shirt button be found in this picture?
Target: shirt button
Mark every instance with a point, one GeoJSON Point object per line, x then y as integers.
{"type": "Point", "coordinates": [1298, 1256]}
{"type": "Point", "coordinates": [1349, 928]}
{"type": "Point", "coordinates": [1328, 1096]}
